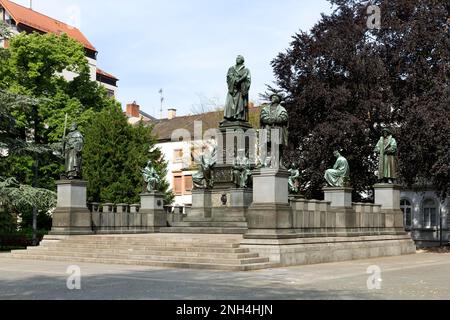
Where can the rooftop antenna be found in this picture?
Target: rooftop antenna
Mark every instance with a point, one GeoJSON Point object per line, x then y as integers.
{"type": "Point", "coordinates": [162, 100]}
{"type": "Point", "coordinates": [31, 4]}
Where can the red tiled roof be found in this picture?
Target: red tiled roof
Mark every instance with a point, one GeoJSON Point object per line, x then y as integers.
{"type": "Point", "coordinates": [106, 74]}
{"type": "Point", "coordinates": [41, 22]}
{"type": "Point", "coordinates": [164, 128]}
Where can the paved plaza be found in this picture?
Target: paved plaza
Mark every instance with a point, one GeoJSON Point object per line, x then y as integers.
{"type": "Point", "coordinates": [420, 276]}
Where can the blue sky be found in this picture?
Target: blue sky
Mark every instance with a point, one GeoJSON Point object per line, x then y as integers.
{"type": "Point", "coordinates": [184, 46]}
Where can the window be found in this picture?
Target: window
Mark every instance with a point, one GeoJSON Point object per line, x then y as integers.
{"type": "Point", "coordinates": [8, 20]}
{"type": "Point", "coordinates": [178, 155]}
{"type": "Point", "coordinates": [188, 184]}
{"type": "Point", "coordinates": [406, 207]}
{"type": "Point", "coordinates": [178, 185]}
{"type": "Point", "coordinates": [110, 93]}
{"type": "Point", "coordinates": [429, 213]}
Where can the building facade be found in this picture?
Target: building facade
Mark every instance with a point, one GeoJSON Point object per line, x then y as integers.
{"type": "Point", "coordinates": [426, 217]}
{"type": "Point", "coordinates": [21, 19]}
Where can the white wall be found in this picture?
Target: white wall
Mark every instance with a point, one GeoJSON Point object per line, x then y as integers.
{"type": "Point", "coordinates": [168, 151]}
{"type": "Point", "coordinates": [110, 87]}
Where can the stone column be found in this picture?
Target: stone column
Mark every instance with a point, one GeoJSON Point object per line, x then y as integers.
{"type": "Point", "coordinates": [270, 216]}
{"type": "Point", "coordinates": [71, 216]}
{"type": "Point", "coordinates": [388, 197]}
{"type": "Point", "coordinates": [152, 212]}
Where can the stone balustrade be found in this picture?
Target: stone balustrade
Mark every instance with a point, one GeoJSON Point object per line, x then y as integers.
{"type": "Point", "coordinates": [314, 218]}
{"type": "Point", "coordinates": [109, 218]}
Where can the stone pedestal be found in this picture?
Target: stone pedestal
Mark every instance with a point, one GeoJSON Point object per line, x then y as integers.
{"type": "Point", "coordinates": [231, 205]}
{"type": "Point", "coordinates": [201, 205]}
{"type": "Point", "coordinates": [342, 212]}
{"type": "Point", "coordinates": [271, 186]}
{"type": "Point", "coordinates": [152, 212]}
{"type": "Point", "coordinates": [339, 197]}
{"type": "Point", "coordinates": [388, 197]}
{"type": "Point", "coordinates": [270, 216]}
{"type": "Point", "coordinates": [71, 216]}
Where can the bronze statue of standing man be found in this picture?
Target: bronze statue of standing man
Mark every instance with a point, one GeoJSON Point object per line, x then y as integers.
{"type": "Point", "coordinates": [388, 164]}
{"type": "Point", "coordinates": [239, 82]}
{"type": "Point", "coordinates": [274, 118]}
{"type": "Point", "coordinates": [73, 146]}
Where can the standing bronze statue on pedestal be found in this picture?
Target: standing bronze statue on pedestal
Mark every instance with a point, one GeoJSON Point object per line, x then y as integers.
{"type": "Point", "coordinates": [239, 82]}
{"type": "Point", "coordinates": [72, 151]}
{"type": "Point", "coordinates": [388, 163]}
{"type": "Point", "coordinates": [274, 118]}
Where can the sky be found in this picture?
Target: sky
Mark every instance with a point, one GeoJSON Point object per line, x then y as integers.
{"type": "Point", "coordinates": [184, 47]}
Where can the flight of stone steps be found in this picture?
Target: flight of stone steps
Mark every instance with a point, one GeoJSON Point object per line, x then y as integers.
{"type": "Point", "coordinates": [207, 227]}
{"type": "Point", "coordinates": [219, 252]}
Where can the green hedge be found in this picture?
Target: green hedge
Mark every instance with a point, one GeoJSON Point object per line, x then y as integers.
{"type": "Point", "coordinates": [19, 240]}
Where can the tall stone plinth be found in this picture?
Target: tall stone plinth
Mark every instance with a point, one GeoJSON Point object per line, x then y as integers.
{"type": "Point", "coordinates": [341, 207]}
{"type": "Point", "coordinates": [152, 212]}
{"type": "Point", "coordinates": [201, 205]}
{"type": "Point", "coordinates": [270, 215]}
{"type": "Point", "coordinates": [71, 216]}
{"type": "Point", "coordinates": [388, 197]}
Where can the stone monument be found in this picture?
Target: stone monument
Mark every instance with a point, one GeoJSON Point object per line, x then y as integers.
{"type": "Point", "coordinates": [152, 201]}
{"type": "Point", "coordinates": [274, 120]}
{"type": "Point", "coordinates": [387, 192]}
{"type": "Point", "coordinates": [339, 193]}
{"type": "Point", "coordinates": [270, 215]}
{"type": "Point", "coordinates": [71, 216]}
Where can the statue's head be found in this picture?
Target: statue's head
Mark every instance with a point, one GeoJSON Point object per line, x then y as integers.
{"type": "Point", "coordinates": [73, 127]}
{"type": "Point", "coordinates": [276, 98]}
{"type": "Point", "coordinates": [240, 60]}
{"type": "Point", "coordinates": [337, 153]}
{"type": "Point", "coordinates": [386, 132]}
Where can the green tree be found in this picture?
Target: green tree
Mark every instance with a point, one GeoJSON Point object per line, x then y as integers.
{"type": "Point", "coordinates": [33, 67]}
{"type": "Point", "coordinates": [16, 197]}
{"type": "Point", "coordinates": [114, 155]}
{"type": "Point", "coordinates": [345, 81]}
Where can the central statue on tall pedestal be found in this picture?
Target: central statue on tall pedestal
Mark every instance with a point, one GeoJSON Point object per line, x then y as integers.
{"type": "Point", "coordinates": [239, 82]}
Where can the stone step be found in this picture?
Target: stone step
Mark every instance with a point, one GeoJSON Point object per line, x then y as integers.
{"type": "Point", "coordinates": [150, 257]}
{"type": "Point", "coordinates": [162, 244]}
{"type": "Point", "coordinates": [82, 247]}
{"type": "Point", "coordinates": [138, 241]}
{"type": "Point", "coordinates": [215, 265]}
{"type": "Point", "coordinates": [160, 237]}
{"type": "Point", "coordinates": [133, 252]}
{"type": "Point", "coordinates": [204, 230]}
{"type": "Point", "coordinates": [175, 250]}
